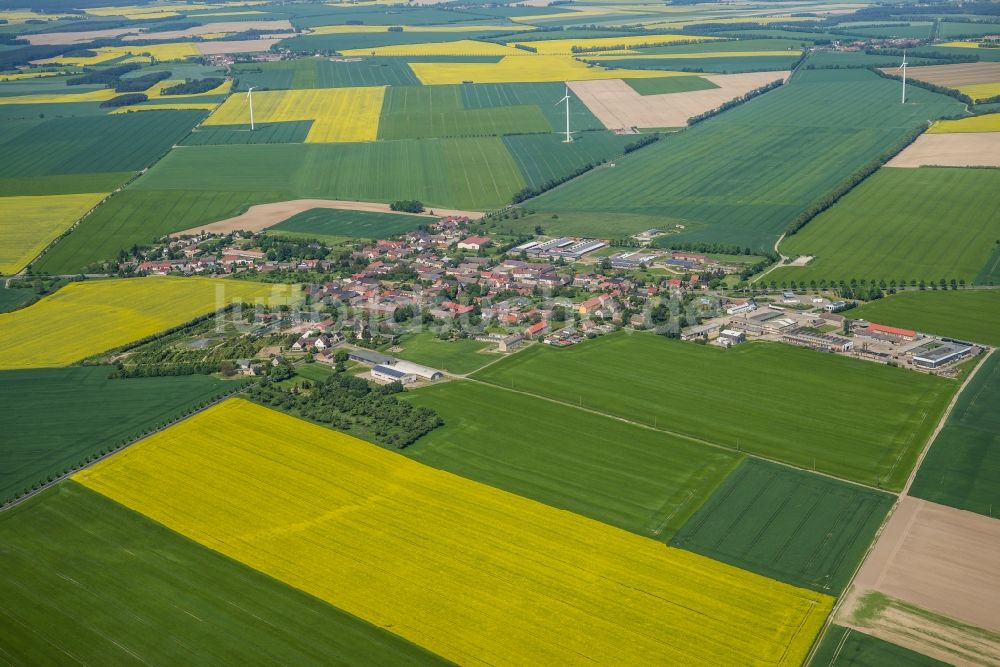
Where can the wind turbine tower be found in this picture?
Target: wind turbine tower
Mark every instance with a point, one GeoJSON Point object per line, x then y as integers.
{"type": "Point", "coordinates": [903, 67]}
{"type": "Point", "coordinates": [250, 102]}
{"type": "Point", "coordinates": [569, 135]}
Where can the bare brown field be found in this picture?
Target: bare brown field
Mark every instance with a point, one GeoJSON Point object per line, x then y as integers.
{"type": "Point", "coordinates": [60, 38]}
{"type": "Point", "coordinates": [960, 149]}
{"type": "Point", "coordinates": [226, 26]}
{"type": "Point", "coordinates": [618, 106]}
{"type": "Point", "coordinates": [262, 216]}
{"type": "Point", "coordinates": [952, 76]}
{"type": "Point", "coordinates": [941, 559]}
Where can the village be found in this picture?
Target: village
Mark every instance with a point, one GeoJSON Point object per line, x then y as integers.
{"type": "Point", "coordinates": [369, 298]}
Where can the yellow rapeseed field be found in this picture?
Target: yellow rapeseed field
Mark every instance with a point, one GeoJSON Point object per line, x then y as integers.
{"type": "Point", "coordinates": [461, 47]}
{"type": "Point", "coordinates": [556, 47]}
{"type": "Point", "coordinates": [531, 69]}
{"type": "Point", "coordinates": [161, 52]}
{"type": "Point", "coordinates": [470, 572]}
{"type": "Point", "coordinates": [986, 123]}
{"type": "Point", "coordinates": [980, 91]}
{"type": "Point", "coordinates": [338, 114]}
{"type": "Point", "coordinates": [961, 45]}
{"type": "Point", "coordinates": [28, 224]}
{"type": "Point", "coordinates": [156, 89]}
{"type": "Point", "coordinates": [462, 27]}
{"type": "Point", "coordinates": [558, 16]}
{"type": "Point", "coordinates": [620, 55]}
{"type": "Point", "coordinates": [99, 95]}
{"type": "Point", "coordinates": [87, 318]}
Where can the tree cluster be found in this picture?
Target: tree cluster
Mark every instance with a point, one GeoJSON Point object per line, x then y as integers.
{"type": "Point", "coordinates": [350, 403]}
{"type": "Point", "coordinates": [407, 205]}
{"type": "Point", "coordinates": [194, 86]}
{"type": "Point", "coordinates": [140, 83]}
{"type": "Point", "coordinates": [124, 100]}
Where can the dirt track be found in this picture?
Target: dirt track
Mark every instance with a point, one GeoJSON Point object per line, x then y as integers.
{"type": "Point", "coordinates": [618, 106]}
{"type": "Point", "coordinates": [961, 149]}
{"type": "Point", "coordinates": [938, 558]}
{"type": "Point", "coordinates": [262, 216]}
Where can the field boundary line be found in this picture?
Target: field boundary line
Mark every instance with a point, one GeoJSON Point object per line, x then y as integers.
{"type": "Point", "coordinates": [892, 510]}
{"type": "Point", "coordinates": [31, 494]}
{"type": "Point", "coordinates": [683, 436]}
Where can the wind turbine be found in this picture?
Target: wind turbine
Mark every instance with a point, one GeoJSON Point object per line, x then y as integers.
{"type": "Point", "coordinates": [903, 67]}
{"type": "Point", "coordinates": [569, 135]}
{"type": "Point", "coordinates": [250, 102]}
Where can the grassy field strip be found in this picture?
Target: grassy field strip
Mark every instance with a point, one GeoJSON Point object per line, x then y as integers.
{"type": "Point", "coordinates": [472, 573]}
{"type": "Point", "coordinates": [461, 47]}
{"type": "Point", "coordinates": [961, 466]}
{"type": "Point", "coordinates": [839, 442]}
{"type": "Point", "coordinates": [86, 318]}
{"type": "Point", "coordinates": [847, 647]}
{"type": "Point", "coordinates": [125, 590]}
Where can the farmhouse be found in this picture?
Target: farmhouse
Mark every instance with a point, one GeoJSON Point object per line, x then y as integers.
{"type": "Point", "coordinates": [536, 330]}
{"type": "Point", "coordinates": [474, 243]}
{"type": "Point", "coordinates": [390, 374]}
{"type": "Point", "coordinates": [732, 337]}
{"type": "Point", "coordinates": [705, 331]}
{"type": "Point", "coordinates": [369, 357]}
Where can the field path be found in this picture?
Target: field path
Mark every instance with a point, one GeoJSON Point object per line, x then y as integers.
{"type": "Point", "coordinates": [262, 216]}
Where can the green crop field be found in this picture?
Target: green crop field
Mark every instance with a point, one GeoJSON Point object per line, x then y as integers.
{"type": "Point", "coordinates": [624, 475]}
{"type": "Point", "coordinates": [290, 132]}
{"type": "Point", "coordinates": [329, 222]}
{"type": "Point", "coordinates": [947, 30]}
{"type": "Point", "coordinates": [962, 468]}
{"type": "Point", "coordinates": [913, 30]}
{"type": "Point", "coordinates": [742, 177]}
{"type": "Point", "coordinates": [122, 589]}
{"type": "Point", "coordinates": [124, 142]}
{"type": "Point", "coordinates": [845, 647]}
{"type": "Point", "coordinates": [416, 112]}
{"type": "Point", "coordinates": [543, 95]}
{"type": "Point", "coordinates": [902, 224]}
{"type": "Point", "coordinates": [63, 184]}
{"type": "Point", "coordinates": [850, 418]}
{"type": "Point", "coordinates": [55, 417]}
{"type": "Point", "coordinates": [740, 45]}
{"type": "Point", "coordinates": [972, 315]}
{"type": "Point", "coordinates": [141, 217]}
{"type": "Point", "coordinates": [454, 173]}
{"type": "Point", "coordinates": [14, 298]}
{"type": "Point", "coordinates": [669, 84]}
{"type": "Point", "coordinates": [372, 40]}
{"type": "Point", "coordinates": [543, 158]}
{"type": "Point", "coordinates": [200, 184]}
{"type": "Point", "coordinates": [727, 65]}
{"type": "Point", "coordinates": [324, 73]}
{"type": "Point", "coordinates": [791, 525]}
{"type": "Point", "coordinates": [455, 356]}
{"type": "Point", "coordinates": [819, 59]}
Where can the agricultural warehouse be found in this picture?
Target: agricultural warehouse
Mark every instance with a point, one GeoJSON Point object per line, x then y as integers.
{"type": "Point", "coordinates": [499, 333]}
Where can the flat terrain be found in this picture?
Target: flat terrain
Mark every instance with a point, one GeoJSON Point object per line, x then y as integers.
{"type": "Point", "coordinates": [345, 224]}
{"type": "Point", "coordinates": [126, 590]}
{"type": "Point", "coordinates": [54, 418]}
{"type": "Point", "coordinates": [87, 318]}
{"type": "Point", "coordinates": [902, 225]}
{"type": "Point", "coordinates": [787, 524]}
{"type": "Point", "coordinates": [472, 573]}
{"type": "Point", "coordinates": [985, 123]}
{"type": "Point", "coordinates": [972, 315]}
{"type": "Point", "coordinates": [929, 584]}
{"type": "Point", "coordinates": [846, 647]}
{"type": "Point", "coordinates": [940, 559]}
{"type": "Point", "coordinates": [263, 216]}
{"type": "Point", "coordinates": [619, 106]}
{"type": "Point", "coordinates": [742, 177]}
{"type": "Point", "coordinates": [626, 476]}
{"type": "Point", "coordinates": [853, 419]}
{"type": "Point", "coordinates": [962, 468]}
{"type": "Point", "coordinates": [959, 149]}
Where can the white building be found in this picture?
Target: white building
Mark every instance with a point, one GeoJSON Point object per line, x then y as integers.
{"type": "Point", "coordinates": [746, 307]}
{"type": "Point", "coordinates": [423, 372]}
{"type": "Point", "coordinates": [390, 374]}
